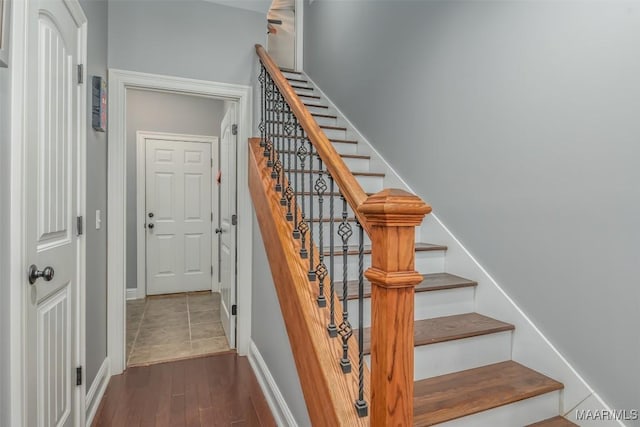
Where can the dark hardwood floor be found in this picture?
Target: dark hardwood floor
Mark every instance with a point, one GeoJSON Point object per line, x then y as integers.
{"type": "Point", "coordinates": [219, 390]}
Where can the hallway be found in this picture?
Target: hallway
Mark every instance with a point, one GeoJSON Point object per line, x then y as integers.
{"type": "Point", "coordinates": [217, 390]}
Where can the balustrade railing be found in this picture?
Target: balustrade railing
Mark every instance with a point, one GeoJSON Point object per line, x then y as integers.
{"type": "Point", "coordinates": [308, 174]}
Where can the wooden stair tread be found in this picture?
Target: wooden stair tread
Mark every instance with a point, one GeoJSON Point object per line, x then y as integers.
{"type": "Point", "coordinates": [376, 174]}
{"type": "Point", "coordinates": [326, 116]}
{"type": "Point", "coordinates": [302, 87]}
{"type": "Point", "coordinates": [327, 194]}
{"type": "Point", "coordinates": [431, 282]}
{"type": "Point", "coordinates": [448, 328]}
{"type": "Point", "coordinates": [448, 397]}
{"type": "Point", "coordinates": [293, 79]}
{"type": "Point", "coordinates": [554, 422]}
{"type": "Point", "coordinates": [420, 247]}
{"type": "Point", "coordinates": [333, 127]}
{"type": "Point", "coordinates": [316, 105]}
{"type": "Point", "coordinates": [306, 95]}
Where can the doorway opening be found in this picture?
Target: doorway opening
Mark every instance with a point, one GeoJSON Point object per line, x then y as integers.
{"type": "Point", "coordinates": [179, 255]}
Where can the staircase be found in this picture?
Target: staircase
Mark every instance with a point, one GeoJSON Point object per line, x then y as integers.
{"type": "Point", "coordinates": [463, 372]}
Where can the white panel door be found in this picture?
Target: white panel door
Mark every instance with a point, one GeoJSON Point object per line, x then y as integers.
{"type": "Point", "coordinates": [178, 216]}
{"type": "Point", "coordinates": [52, 204]}
{"type": "Point", "coordinates": [227, 228]}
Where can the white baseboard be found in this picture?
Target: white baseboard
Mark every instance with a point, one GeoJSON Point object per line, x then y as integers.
{"type": "Point", "coordinates": [132, 293]}
{"type": "Point", "coordinates": [96, 391]}
{"type": "Point", "coordinates": [281, 412]}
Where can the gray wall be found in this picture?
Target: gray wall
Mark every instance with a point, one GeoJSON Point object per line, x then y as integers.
{"type": "Point", "coordinates": [96, 261]}
{"type": "Point", "coordinates": [269, 333]}
{"type": "Point", "coordinates": [5, 154]}
{"type": "Point", "coordinates": [161, 112]}
{"type": "Point", "coordinates": [518, 122]}
{"type": "Point", "coordinates": [193, 39]}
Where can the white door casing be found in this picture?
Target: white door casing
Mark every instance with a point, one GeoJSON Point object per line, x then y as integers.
{"type": "Point", "coordinates": [227, 226]}
{"type": "Point", "coordinates": [53, 189]}
{"type": "Point", "coordinates": [179, 216]}
{"type": "Point", "coordinates": [119, 82]}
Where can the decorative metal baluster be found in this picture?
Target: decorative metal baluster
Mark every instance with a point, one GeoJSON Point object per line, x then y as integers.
{"type": "Point", "coordinates": [361, 404]}
{"type": "Point", "coordinates": [277, 108]}
{"type": "Point", "coordinates": [331, 327]}
{"type": "Point", "coordinates": [284, 154]}
{"type": "Point", "coordinates": [303, 226]}
{"type": "Point", "coordinates": [296, 229]}
{"type": "Point", "coordinates": [268, 143]}
{"type": "Point", "coordinates": [289, 193]}
{"type": "Point", "coordinates": [263, 105]}
{"type": "Point", "coordinates": [312, 270]}
{"type": "Point", "coordinates": [345, 330]}
{"type": "Point", "coordinates": [321, 269]}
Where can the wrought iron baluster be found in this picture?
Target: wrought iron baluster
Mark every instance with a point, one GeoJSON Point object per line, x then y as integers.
{"type": "Point", "coordinates": [312, 271]}
{"type": "Point", "coordinates": [345, 330]}
{"type": "Point", "coordinates": [277, 108]}
{"type": "Point", "coordinates": [361, 404]}
{"type": "Point", "coordinates": [268, 143]}
{"type": "Point", "coordinates": [289, 192]}
{"type": "Point", "coordinates": [303, 225]}
{"type": "Point", "coordinates": [296, 188]}
{"type": "Point", "coordinates": [262, 104]}
{"type": "Point", "coordinates": [321, 268]}
{"type": "Point", "coordinates": [331, 327]}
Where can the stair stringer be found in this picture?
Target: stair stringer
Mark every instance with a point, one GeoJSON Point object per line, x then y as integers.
{"type": "Point", "coordinates": [529, 346]}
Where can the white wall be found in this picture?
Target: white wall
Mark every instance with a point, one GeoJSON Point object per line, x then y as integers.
{"type": "Point", "coordinates": [518, 122]}
{"type": "Point", "coordinates": [161, 112]}
{"type": "Point", "coordinates": [194, 39]}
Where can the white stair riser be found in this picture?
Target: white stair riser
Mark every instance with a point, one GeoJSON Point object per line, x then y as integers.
{"type": "Point", "coordinates": [326, 206]}
{"type": "Point", "coordinates": [427, 305]}
{"type": "Point", "coordinates": [370, 184]}
{"type": "Point", "coordinates": [457, 355]}
{"type": "Point", "coordinates": [326, 120]}
{"type": "Point", "coordinates": [313, 109]}
{"type": "Point", "coordinates": [520, 413]}
{"type": "Point", "coordinates": [335, 133]}
{"type": "Point", "coordinates": [313, 101]}
{"type": "Point", "coordinates": [354, 164]}
{"type": "Point", "coordinates": [426, 262]}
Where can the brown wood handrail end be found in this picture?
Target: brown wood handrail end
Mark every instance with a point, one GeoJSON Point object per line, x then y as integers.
{"type": "Point", "coordinates": [393, 280]}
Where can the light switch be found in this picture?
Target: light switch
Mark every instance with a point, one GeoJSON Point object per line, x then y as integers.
{"type": "Point", "coordinates": [98, 219]}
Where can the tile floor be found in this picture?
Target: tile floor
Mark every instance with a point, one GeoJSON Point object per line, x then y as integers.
{"type": "Point", "coordinates": [170, 327]}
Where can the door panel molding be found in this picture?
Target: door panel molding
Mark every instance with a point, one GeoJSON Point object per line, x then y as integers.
{"type": "Point", "coordinates": [119, 82]}
{"type": "Point", "coordinates": [141, 137]}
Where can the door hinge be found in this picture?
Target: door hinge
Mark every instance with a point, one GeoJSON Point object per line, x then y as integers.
{"type": "Point", "coordinates": [234, 310]}
{"type": "Point", "coordinates": [234, 219]}
{"type": "Point", "coordinates": [212, 270]}
{"type": "Point", "coordinates": [79, 226]}
{"type": "Point", "coordinates": [211, 162]}
{"type": "Point", "coordinates": [234, 129]}
{"type": "Point", "coordinates": [211, 216]}
{"type": "Point", "coordinates": [80, 74]}
{"type": "Point", "coordinates": [79, 375]}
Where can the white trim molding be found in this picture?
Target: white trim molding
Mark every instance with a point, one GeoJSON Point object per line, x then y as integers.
{"type": "Point", "coordinates": [299, 41]}
{"type": "Point", "coordinates": [141, 235]}
{"type": "Point", "coordinates": [96, 391]}
{"type": "Point", "coordinates": [119, 82]}
{"type": "Point", "coordinates": [275, 399]}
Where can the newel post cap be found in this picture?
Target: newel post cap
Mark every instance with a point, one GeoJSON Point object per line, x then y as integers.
{"type": "Point", "coordinates": [394, 207]}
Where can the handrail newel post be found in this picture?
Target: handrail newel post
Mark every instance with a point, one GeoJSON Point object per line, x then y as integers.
{"type": "Point", "coordinates": [392, 216]}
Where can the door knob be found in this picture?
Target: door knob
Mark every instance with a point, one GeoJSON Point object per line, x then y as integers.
{"type": "Point", "coordinates": [34, 274]}
{"type": "Point", "coordinates": [150, 214]}
{"type": "Point", "coordinates": [151, 226]}
{"type": "Point", "coordinates": [218, 230]}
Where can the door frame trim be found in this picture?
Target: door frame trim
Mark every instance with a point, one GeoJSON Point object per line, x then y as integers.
{"type": "Point", "coordinates": [18, 50]}
{"type": "Point", "coordinates": [119, 82]}
{"type": "Point", "coordinates": [141, 256]}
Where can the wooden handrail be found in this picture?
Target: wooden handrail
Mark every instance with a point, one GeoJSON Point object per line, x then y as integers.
{"type": "Point", "coordinates": [389, 218]}
{"type": "Point", "coordinates": [348, 184]}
